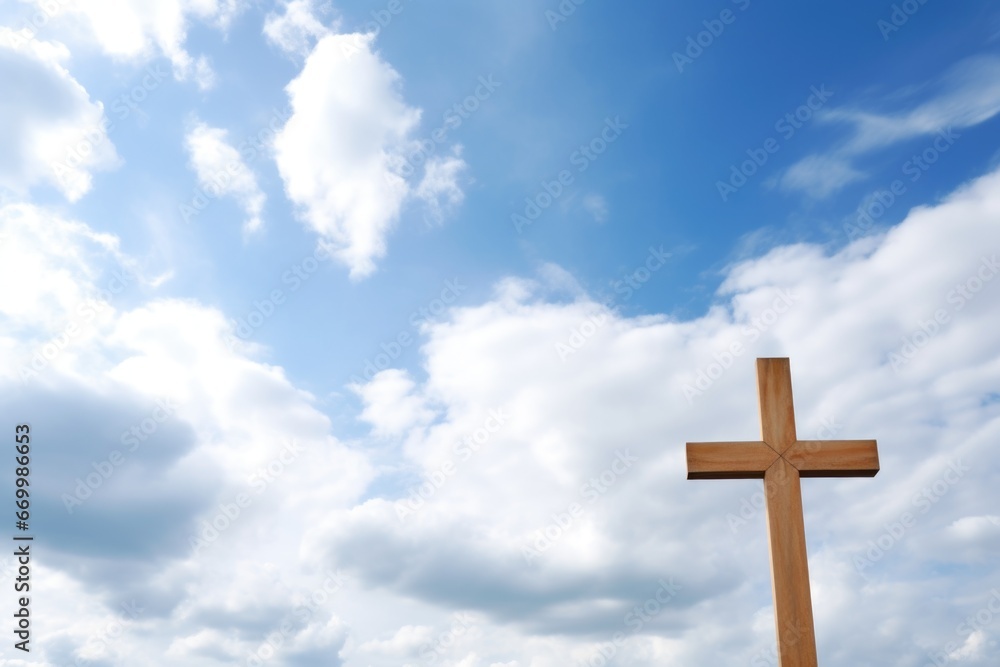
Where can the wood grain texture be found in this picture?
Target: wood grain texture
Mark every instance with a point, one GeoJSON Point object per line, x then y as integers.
{"type": "Point", "coordinates": [789, 567]}
{"type": "Point", "coordinates": [781, 459]}
{"type": "Point", "coordinates": [774, 394]}
{"type": "Point", "coordinates": [729, 460]}
{"type": "Point", "coordinates": [834, 458]}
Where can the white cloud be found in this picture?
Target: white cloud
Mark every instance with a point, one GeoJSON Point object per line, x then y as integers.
{"type": "Point", "coordinates": [967, 95]}
{"type": "Point", "coordinates": [439, 188]}
{"type": "Point", "coordinates": [222, 171]}
{"type": "Point", "coordinates": [48, 267]}
{"type": "Point", "coordinates": [820, 176]}
{"type": "Point", "coordinates": [558, 429]}
{"type": "Point", "coordinates": [597, 206]}
{"type": "Point", "coordinates": [404, 642]}
{"type": "Point", "coordinates": [343, 155]}
{"type": "Point", "coordinates": [970, 94]}
{"type": "Point", "coordinates": [138, 30]}
{"type": "Point", "coordinates": [223, 426]}
{"type": "Point", "coordinates": [50, 130]}
{"type": "Point", "coordinates": [391, 405]}
{"type": "Point", "coordinates": [844, 320]}
{"type": "Point", "coordinates": [296, 30]}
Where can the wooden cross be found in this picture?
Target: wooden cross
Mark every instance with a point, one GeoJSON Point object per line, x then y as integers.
{"type": "Point", "coordinates": [780, 459]}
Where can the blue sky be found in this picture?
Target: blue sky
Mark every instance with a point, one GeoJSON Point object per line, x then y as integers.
{"type": "Point", "coordinates": [484, 250]}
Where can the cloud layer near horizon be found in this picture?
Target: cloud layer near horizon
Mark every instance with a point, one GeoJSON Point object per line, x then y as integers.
{"type": "Point", "coordinates": [544, 491]}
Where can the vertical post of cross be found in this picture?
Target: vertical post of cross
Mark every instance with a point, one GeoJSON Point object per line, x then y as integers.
{"type": "Point", "coordinates": [786, 529]}
{"type": "Point", "coordinates": [781, 459]}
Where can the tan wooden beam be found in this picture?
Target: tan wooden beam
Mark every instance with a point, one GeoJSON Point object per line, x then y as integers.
{"type": "Point", "coordinates": [834, 458]}
{"type": "Point", "coordinates": [789, 567]}
{"type": "Point", "coordinates": [774, 394]}
{"type": "Point", "coordinates": [781, 460]}
{"type": "Point", "coordinates": [729, 460]}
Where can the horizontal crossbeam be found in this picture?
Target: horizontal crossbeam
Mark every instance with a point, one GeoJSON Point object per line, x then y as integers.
{"type": "Point", "coordinates": [729, 460]}
{"type": "Point", "coordinates": [834, 458]}
{"type": "Point", "coordinates": [780, 459]}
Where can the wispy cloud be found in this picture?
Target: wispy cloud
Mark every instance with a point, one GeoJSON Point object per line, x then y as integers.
{"type": "Point", "coordinates": [820, 175]}
{"type": "Point", "coordinates": [296, 30]}
{"type": "Point", "coordinates": [439, 188]}
{"type": "Point", "coordinates": [597, 206]}
{"type": "Point", "coordinates": [137, 30]}
{"type": "Point", "coordinates": [220, 168]}
{"type": "Point", "coordinates": [967, 95]}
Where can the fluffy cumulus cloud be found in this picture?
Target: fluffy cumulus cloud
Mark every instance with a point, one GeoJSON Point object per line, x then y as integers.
{"type": "Point", "coordinates": [138, 30]}
{"type": "Point", "coordinates": [551, 500]}
{"type": "Point", "coordinates": [202, 507]}
{"type": "Point", "coordinates": [170, 451]}
{"type": "Point", "coordinates": [221, 171]}
{"type": "Point", "coordinates": [347, 154]}
{"type": "Point", "coordinates": [296, 29]}
{"type": "Point", "coordinates": [390, 404]}
{"type": "Point", "coordinates": [51, 132]}
{"type": "Point", "coordinates": [59, 258]}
